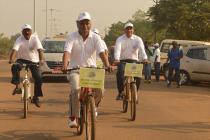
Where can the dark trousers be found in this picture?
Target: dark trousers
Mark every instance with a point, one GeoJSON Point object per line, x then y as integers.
{"type": "Point", "coordinates": [147, 71]}
{"type": "Point", "coordinates": [16, 68]}
{"type": "Point", "coordinates": [177, 74]}
{"type": "Point", "coordinates": [157, 70]}
{"type": "Point", "coordinates": [121, 78]}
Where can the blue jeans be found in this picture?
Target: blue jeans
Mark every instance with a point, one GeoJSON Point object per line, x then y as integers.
{"type": "Point", "coordinates": [157, 70]}
{"type": "Point", "coordinates": [147, 71]}
{"type": "Point", "coordinates": [16, 68]}
{"type": "Point", "coordinates": [121, 78]}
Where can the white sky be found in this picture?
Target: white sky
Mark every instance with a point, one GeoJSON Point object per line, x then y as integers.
{"type": "Point", "coordinates": [14, 13]}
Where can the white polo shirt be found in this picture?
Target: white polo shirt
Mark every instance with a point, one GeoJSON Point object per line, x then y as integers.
{"type": "Point", "coordinates": [156, 53]}
{"type": "Point", "coordinates": [129, 48]}
{"type": "Point", "coordinates": [83, 53]}
{"type": "Point", "coordinates": [28, 49]}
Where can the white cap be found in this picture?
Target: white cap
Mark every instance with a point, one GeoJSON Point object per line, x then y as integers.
{"type": "Point", "coordinates": [83, 15]}
{"type": "Point", "coordinates": [156, 45]}
{"type": "Point", "coordinates": [129, 24]}
{"type": "Point", "coordinates": [26, 26]}
{"type": "Point", "coordinates": [96, 31]}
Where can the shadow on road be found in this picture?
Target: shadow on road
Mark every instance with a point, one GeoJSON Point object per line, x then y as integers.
{"type": "Point", "coordinates": [36, 135]}
{"type": "Point", "coordinates": [184, 127]}
{"type": "Point", "coordinates": [189, 89]}
{"type": "Point", "coordinates": [5, 79]}
{"type": "Point", "coordinates": [9, 114]}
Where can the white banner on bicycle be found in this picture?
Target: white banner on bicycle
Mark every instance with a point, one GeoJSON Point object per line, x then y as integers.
{"type": "Point", "coordinates": [133, 69]}
{"type": "Point", "coordinates": [92, 78]}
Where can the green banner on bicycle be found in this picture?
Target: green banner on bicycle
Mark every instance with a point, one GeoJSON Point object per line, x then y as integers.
{"type": "Point", "coordinates": [133, 69]}
{"type": "Point", "coordinates": [91, 77]}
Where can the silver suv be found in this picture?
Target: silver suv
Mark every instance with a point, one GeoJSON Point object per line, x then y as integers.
{"type": "Point", "coordinates": [53, 57]}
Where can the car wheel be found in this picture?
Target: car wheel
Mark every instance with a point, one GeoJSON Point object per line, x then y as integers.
{"type": "Point", "coordinates": [184, 78]}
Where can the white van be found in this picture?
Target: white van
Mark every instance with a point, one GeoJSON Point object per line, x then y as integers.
{"type": "Point", "coordinates": [195, 64]}
{"type": "Point", "coordinates": [53, 57]}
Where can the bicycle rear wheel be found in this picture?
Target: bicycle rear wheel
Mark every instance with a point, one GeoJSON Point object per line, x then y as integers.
{"type": "Point", "coordinates": [25, 100]}
{"type": "Point", "coordinates": [90, 118]}
{"type": "Point", "coordinates": [125, 98]}
{"type": "Point", "coordinates": [133, 101]}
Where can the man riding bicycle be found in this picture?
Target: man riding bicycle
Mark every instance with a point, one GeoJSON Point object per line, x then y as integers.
{"type": "Point", "coordinates": [128, 48]}
{"type": "Point", "coordinates": [80, 51]}
{"type": "Point", "coordinates": [28, 50]}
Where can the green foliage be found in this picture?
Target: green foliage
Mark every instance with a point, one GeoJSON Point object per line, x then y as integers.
{"type": "Point", "coordinates": [182, 19]}
{"type": "Point", "coordinates": [178, 19]}
{"type": "Point", "coordinates": [6, 44]}
{"type": "Point", "coordinates": [142, 28]}
{"type": "Point", "coordinates": [114, 32]}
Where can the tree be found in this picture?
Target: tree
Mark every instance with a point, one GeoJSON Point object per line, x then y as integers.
{"type": "Point", "coordinates": [142, 27]}
{"type": "Point", "coordinates": [188, 19]}
{"type": "Point", "coordinates": [6, 44]}
{"type": "Point", "coordinates": [114, 31]}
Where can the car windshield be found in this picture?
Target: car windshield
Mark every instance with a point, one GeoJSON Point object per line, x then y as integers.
{"type": "Point", "coordinates": [165, 47]}
{"type": "Point", "coordinates": [54, 46]}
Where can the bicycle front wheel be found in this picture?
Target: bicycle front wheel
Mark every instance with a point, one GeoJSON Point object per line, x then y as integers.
{"type": "Point", "coordinates": [90, 118]}
{"type": "Point", "coordinates": [133, 101]}
{"type": "Point", "coordinates": [81, 120]}
{"type": "Point", "coordinates": [25, 100]}
{"type": "Point", "coordinates": [126, 98]}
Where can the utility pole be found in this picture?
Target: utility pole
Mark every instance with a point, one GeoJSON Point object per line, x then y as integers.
{"type": "Point", "coordinates": [155, 31]}
{"type": "Point", "coordinates": [46, 20]}
{"type": "Point", "coordinates": [52, 20]}
{"type": "Point", "coordinates": [34, 15]}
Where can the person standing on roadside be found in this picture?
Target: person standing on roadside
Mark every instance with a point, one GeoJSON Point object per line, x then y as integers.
{"type": "Point", "coordinates": [156, 57]}
{"type": "Point", "coordinates": [174, 56]}
{"type": "Point", "coordinates": [147, 66]}
{"type": "Point", "coordinates": [28, 50]}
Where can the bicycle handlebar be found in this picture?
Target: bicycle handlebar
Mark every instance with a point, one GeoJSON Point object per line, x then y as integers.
{"type": "Point", "coordinates": [133, 62]}
{"type": "Point", "coordinates": [77, 68]}
{"type": "Point", "coordinates": [26, 66]}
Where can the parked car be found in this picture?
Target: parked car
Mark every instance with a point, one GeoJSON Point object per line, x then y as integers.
{"type": "Point", "coordinates": [195, 64]}
{"type": "Point", "coordinates": [53, 57]}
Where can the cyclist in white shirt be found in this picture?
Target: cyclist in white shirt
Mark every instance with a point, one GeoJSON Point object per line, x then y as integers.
{"type": "Point", "coordinates": [127, 49]}
{"type": "Point", "coordinates": [27, 49]}
{"type": "Point", "coordinates": [80, 50]}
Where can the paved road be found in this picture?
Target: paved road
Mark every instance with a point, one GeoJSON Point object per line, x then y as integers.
{"type": "Point", "coordinates": [162, 113]}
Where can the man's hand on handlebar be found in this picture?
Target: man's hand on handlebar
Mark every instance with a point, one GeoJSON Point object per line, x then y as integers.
{"type": "Point", "coordinates": [145, 61]}
{"type": "Point", "coordinates": [11, 61]}
{"type": "Point", "coordinates": [109, 68]}
{"type": "Point", "coordinates": [116, 62]}
{"type": "Point", "coordinates": [64, 69]}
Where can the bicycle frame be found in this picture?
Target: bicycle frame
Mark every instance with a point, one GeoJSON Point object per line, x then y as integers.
{"type": "Point", "coordinates": [85, 91]}
{"type": "Point", "coordinates": [87, 109]}
{"type": "Point", "coordinates": [26, 83]}
{"type": "Point", "coordinates": [127, 83]}
{"type": "Point", "coordinates": [130, 94]}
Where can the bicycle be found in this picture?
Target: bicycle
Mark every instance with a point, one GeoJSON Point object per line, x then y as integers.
{"type": "Point", "coordinates": [87, 102]}
{"type": "Point", "coordinates": [130, 95]}
{"type": "Point", "coordinates": [26, 89]}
